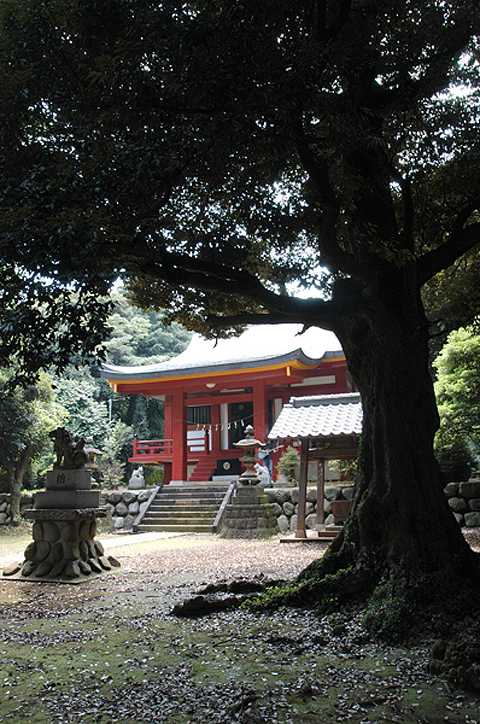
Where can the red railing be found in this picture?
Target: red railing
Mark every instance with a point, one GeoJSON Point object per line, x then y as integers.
{"type": "Point", "coordinates": [151, 448]}
{"type": "Point", "coordinates": [154, 449]}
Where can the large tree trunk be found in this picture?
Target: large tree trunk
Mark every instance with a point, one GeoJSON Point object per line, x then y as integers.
{"type": "Point", "coordinates": [400, 527]}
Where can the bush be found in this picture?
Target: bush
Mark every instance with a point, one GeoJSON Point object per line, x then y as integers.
{"type": "Point", "coordinates": [288, 465]}
{"type": "Point", "coordinates": [454, 458]}
{"type": "Point", "coordinates": [153, 475]}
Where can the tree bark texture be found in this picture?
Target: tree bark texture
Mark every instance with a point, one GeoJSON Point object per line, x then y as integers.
{"type": "Point", "coordinates": [400, 523]}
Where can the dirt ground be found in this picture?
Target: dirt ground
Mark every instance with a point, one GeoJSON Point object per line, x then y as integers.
{"type": "Point", "coordinates": [110, 651]}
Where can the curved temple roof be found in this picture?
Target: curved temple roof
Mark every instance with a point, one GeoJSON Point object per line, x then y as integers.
{"type": "Point", "coordinates": [259, 346]}
{"type": "Point", "coordinates": [319, 416]}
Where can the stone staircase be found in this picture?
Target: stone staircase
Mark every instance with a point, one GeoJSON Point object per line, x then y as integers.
{"type": "Point", "coordinates": [187, 509]}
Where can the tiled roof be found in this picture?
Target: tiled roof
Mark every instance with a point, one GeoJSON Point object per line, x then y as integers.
{"type": "Point", "coordinates": [319, 416]}
{"type": "Point", "coordinates": [256, 346]}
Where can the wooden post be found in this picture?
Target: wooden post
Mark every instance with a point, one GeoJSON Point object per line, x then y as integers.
{"type": "Point", "coordinates": [179, 429]}
{"type": "Point", "coordinates": [302, 491]}
{"type": "Point", "coordinates": [260, 411]}
{"type": "Point", "coordinates": [215, 422]}
{"type": "Point", "coordinates": [320, 492]}
{"type": "Point", "coordinates": [167, 417]}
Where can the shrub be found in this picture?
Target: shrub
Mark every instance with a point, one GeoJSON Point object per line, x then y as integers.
{"type": "Point", "coordinates": [288, 465]}
{"type": "Point", "coordinates": [153, 475]}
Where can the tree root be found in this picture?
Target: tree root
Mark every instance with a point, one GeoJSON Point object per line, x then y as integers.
{"type": "Point", "coordinates": [206, 600]}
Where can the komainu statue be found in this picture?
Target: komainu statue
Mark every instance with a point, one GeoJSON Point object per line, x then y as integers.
{"type": "Point", "coordinates": [70, 453]}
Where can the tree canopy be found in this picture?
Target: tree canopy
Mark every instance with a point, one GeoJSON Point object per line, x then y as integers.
{"type": "Point", "coordinates": [213, 154]}
{"type": "Point", "coordinates": [214, 147]}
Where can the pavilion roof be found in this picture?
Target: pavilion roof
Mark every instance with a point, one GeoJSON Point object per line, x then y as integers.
{"type": "Point", "coordinates": [319, 416]}
{"type": "Point", "coordinates": [257, 347]}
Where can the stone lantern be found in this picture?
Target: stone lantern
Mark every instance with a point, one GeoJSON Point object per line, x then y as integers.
{"type": "Point", "coordinates": [249, 445]}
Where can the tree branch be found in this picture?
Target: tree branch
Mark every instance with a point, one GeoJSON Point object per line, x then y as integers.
{"type": "Point", "coordinates": [459, 243]}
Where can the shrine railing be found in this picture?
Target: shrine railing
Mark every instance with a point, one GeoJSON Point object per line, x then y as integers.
{"type": "Point", "coordinates": [197, 442]}
{"type": "Point", "coordinates": [151, 448]}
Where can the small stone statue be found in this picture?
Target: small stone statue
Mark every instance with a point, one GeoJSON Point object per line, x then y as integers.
{"type": "Point", "coordinates": [70, 453]}
{"type": "Point", "coordinates": [137, 479]}
{"type": "Point", "coordinates": [263, 476]}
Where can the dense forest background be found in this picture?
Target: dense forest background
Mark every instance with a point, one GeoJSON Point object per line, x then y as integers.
{"type": "Point", "coordinates": [82, 401]}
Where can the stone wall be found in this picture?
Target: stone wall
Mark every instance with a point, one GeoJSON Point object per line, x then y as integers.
{"type": "Point", "coordinates": [5, 507]}
{"type": "Point", "coordinates": [285, 501]}
{"type": "Point", "coordinates": [464, 500]}
{"type": "Point", "coordinates": [124, 506]}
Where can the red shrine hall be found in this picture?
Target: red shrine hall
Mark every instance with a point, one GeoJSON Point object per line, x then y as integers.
{"type": "Point", "coordinates": [213, 390]}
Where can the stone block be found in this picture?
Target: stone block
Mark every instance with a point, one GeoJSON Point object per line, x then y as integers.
{"type": "Point", "coordinates": [129, 497]}
{"type": "Point", "coordinates": [311, 521]}
{"type": "Point", "coordinates": [277, 509]}
{"type": "Point", "coordinates": [128, 521]}
{"type": "Point", "coordinates": [471, 489]}
{"type": "Point", "coordinates": [288, 508]}
{"type": "Point", "coordinates": [283, 523]}
{"type": "Point", "coordinates": [121, 509]}
{"type": "Point", "coordinates": [332, 493]}
{"type": "Point", "coordinates": [474, 503]}
{"type": "Point", "coordinates": [3, 506]}
{"type": "Point", "coordinates": [67, 499]}
{"type": "Point", "coordinates": [277, 495]}
{"type": "Point", "coordinates": [348, 492]}
{"type": "Point", "coordinates": [143, 496]}
{"type": "Point", "coordinates": [459, 519]}
{"type": "Point", "coordinates": [134, 507]}
{"type": "Point", "coordinates": [329, 520]}
{"type": "Point", "coordinates": [451, 490]}
{"type": "Point", "coordinates": [312, 495]}
{"type": "Point", "coordinates": [327, 506]}
{"type": "Point", "coordinates": [117, 523]}
{"type": "Point", "coordinates": [114, 497]}
{"type": "Point", "coordinates": [309, 507]}
{"type": "Point", "coordinates": [3, 518]}
{"type": "Point", "coordinates": [294, 492]}
{"type": "Point", "coordinates": [293, 522]}
{"type": "Point", "coordinates": [60, 479]}
{"type": "Point", "coordinates": [472, 520]}
{"type": "Point", "coordinates": [458, 505]}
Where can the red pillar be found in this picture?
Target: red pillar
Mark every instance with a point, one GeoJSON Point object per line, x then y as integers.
{"type": "Point", "coordinates": [260, 411]}
{"type": "Point", "coordinates": [215, 422]}
{"type": "Point", "coordinates": [167, 417]}
{"type": "Point", "coordinates": [179, 434]}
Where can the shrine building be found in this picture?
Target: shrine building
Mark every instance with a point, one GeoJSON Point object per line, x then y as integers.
{"type": "Point", "coordinates": [213, 390]}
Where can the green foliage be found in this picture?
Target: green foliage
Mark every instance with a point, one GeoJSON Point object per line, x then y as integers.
{"type": "Point", "coordinates": [77, 391]}
{"type": "Point", "coordinates": [141, 336]}
{"type": "Point", "coordinates": [27, 416]}
{"type": "Point", "coordinates": [288, 465]}
{"type": "Point", "coordinates": [388, 614]}
{"type": "Point", "coordinates": [458, 394]}
{"type": "Point", "coordinates": [110, 464]}
{"type": "Point", "coordinates": [153, 475]}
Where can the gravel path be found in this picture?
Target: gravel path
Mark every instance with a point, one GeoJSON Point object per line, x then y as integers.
{"type": "Point", "coordinates": [109, 651]}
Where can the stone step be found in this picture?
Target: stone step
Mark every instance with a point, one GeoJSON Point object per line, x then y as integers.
{"type": "Point", "coordinates": [144, 527]}
{"type": "Point", "coordinates": [181, 509]}
{"type": "Point", "coordinates": [161, 515]}
{"type": "Point", "coordinates": [181, 494]}
{"type": "Point", "coordinates": [173, 520]}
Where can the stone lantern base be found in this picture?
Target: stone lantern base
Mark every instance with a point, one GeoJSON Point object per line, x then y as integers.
{"type": "Point", "coordinates": [64, 549]}
{"type": "Point", "coordinates": [249, 516]}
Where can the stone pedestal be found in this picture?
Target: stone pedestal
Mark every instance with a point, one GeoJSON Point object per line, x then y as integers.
{"type": "Point", "coordinates": [250, 515]}
{"type": "Point", "coordinates": [64, 548]}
